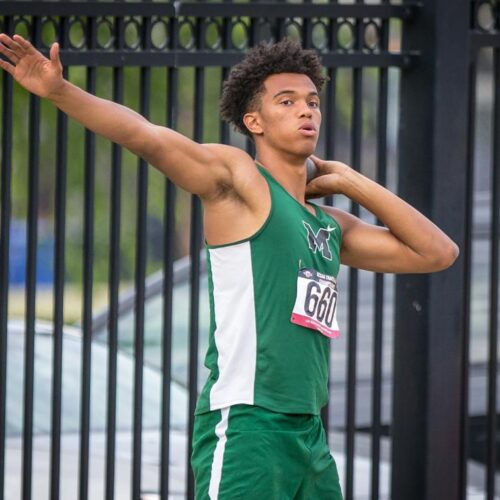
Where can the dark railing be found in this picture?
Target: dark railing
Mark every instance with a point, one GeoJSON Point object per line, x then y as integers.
{"type": "Point", "coordinates": [168, 61]}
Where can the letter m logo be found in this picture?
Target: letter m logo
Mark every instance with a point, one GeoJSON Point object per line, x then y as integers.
{"type": "Point", "coordinates": [319, 240]}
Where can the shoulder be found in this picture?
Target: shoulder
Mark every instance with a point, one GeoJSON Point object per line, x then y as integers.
{"type": "Point", "coordinates": [245, 178]}
{"type": "Point", "coordinates": [234, 159]}
{"type": "Point", "coordinates": [229, 155]}
{"type": "Point", "coordinates": [345, 220]}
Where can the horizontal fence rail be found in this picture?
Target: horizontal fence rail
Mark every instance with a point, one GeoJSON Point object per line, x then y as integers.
{"type": "Point", "coordinates": [193, 9]}
{"type": "Point", "coordinates": [347, 35]}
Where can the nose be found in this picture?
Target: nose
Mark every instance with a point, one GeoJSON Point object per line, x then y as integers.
{"type": "Point", "coordinates": [305, 110]}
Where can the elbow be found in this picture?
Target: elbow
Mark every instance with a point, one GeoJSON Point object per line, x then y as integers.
{"type": "Point", "coordinates": [446, 256]}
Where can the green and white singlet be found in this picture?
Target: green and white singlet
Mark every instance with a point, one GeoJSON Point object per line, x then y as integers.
{"type": "Point", "coordinates": [256, 354]}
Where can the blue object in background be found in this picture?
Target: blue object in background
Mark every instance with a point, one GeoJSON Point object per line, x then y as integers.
{"type": "Point", "coordinates": [18, 254]}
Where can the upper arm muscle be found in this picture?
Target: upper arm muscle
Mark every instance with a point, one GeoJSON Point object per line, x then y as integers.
{"type": "Point", "coordinates": [374, 248]}
{"type": "Point", "coordinates": [195, 167]}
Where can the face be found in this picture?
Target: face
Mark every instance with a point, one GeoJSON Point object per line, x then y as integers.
{"type": "Point", "coordinates": [289, 117]}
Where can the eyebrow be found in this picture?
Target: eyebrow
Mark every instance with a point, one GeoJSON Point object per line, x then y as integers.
{"type": "Point", "coordinates": [281, 92]}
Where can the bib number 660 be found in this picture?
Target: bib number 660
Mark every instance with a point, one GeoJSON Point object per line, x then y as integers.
{"type": "Point", "coordinates": [320, 304]}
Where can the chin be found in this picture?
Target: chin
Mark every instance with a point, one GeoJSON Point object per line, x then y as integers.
{"type": "Point", "coordinates": [298, 148]}
{"type": "Point", "coordinates": [307, 151]}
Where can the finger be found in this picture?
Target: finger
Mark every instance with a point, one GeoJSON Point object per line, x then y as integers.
{"type": "Point", "coordinates": [12, 45]}
{"type": "Point", "coordinates": [317, 160]}
{"type": "Point", "coordinates": [5, 38]}
{"type": "Point", "coordinates": [25, 45]}
{"type": "Point", "coordinates": [320, 164]}
{"type": "Point", "coordinates": [7, 67]}
{"type": "Point", "coordinates": [313, 194]}
{"type": "Point", "coordinates": [11, 56]}
{"type": "Point", "coordinates": [312, 188]}
{"type": "Point", "coordinates": [54, 52]}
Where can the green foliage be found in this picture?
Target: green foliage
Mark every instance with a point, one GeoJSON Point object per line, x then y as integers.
{"type": "Point", "coordinates": [77, 163]}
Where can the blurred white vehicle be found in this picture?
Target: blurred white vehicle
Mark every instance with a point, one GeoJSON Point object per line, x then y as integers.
{"type": "Point", "coordinates": [71, 391]}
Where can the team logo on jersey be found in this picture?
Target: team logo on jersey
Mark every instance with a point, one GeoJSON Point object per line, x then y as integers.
{"type": "Point", "coordinates": [319, 240]}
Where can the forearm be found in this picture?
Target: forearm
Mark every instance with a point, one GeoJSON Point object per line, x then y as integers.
{"type": "Point", "coordinates": [106, 118]}
{"type": "Point", "coordinates": [405, 222]}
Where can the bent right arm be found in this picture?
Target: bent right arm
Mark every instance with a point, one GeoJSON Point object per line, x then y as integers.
{"type": "Point", "coordinates": [194, 167]}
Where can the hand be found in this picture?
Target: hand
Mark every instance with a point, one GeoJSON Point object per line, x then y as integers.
{"type": "Point", "coordinates": [328, 179]}
{"type": "Point", "coordinates": [29, 67]}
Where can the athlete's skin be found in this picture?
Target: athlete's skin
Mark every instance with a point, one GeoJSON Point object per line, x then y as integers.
{"type": "Point", "coordinates": [234, 194]}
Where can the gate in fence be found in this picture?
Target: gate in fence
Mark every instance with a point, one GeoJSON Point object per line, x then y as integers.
{"type": "Point", "coordinates": [104, 408]}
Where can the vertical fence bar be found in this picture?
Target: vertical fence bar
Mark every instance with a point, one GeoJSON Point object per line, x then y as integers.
{"type": "Point", "coordinates": [278, 31]}
{"type": "Point", "coordinates": [279, 25]}
{"type": "Point", "coordinates": [429, 319]}
{"type": "Point", "coordinates": [32, 241]}
{"type": "Point", "coordinates": [194, 251]}
{"type": "Point", "coordinates": [168, 276]}
{"type": "Point", "coordinates": [88, 277]}
{"type": "Point", "coordinates": [307, 26]}
{"type": "Point", "coordinates": [467, 277]}
{"type": "Point", "coordinates": [114, 279]}
{"type": "Point", "coordinates": [376, 431]}
{"type": "Point", "coordinates": [410, 362]}
{"type": "Point", "coordinates": [446, 326]}
{"type": "Point", "coordinates": [253, 40]}
{"type": "Point", "coordinates": [492, 440]}
{"type": "Point", "coordinates": [168, 284]}
{"type": "Point", "coordinates": [357, 124]}
{"type": "Point", "coordinates": [226, 45]}
{"type": "Point", "coordinates": [59, 269]}
{"type": "Point", "coordinates": [29, 353]}
{"type": "Point", "coordinates": [325, 411]}
{"type": "Point", "coordinates": [5, 213]}
{"type": "Point", "coordinates": [140, 274]}
{"type": "Point", "coordinates": [331, 97]}
{"type": "Point", "coordinates": [330, 120]}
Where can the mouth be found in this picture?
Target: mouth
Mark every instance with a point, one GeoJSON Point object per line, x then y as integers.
{"type": "Point", "coordinates": [308, 129]}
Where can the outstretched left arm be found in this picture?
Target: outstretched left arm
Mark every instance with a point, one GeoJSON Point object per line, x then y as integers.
{"type": "Point", "coordinates": [410, 242]}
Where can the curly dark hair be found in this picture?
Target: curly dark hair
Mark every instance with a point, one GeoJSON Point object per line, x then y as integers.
{"type": "Point", "coordinates": [245, 84]}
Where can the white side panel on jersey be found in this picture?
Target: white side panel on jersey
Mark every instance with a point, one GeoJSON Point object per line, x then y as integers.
{"type": "Point", "coordinates": [235, 333]}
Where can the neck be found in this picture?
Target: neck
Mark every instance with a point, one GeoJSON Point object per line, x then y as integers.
{"type": "Point", "coordinates": [289, 171]}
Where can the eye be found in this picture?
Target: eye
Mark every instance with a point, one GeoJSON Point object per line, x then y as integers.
{"type": "Point", "coordinates": [286, 102]}
{"type": "Point", "coordinates": [314, 104]}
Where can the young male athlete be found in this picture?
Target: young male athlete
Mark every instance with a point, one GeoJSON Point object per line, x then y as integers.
{"type": "Point", "coordinates": [272, 259]}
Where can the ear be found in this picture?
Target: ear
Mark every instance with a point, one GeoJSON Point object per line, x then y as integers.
{"type": "Point", "coordinates": [252, 122]}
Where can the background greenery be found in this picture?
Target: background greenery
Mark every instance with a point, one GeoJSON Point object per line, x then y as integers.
{"type": "Point", "coordinates": [158, 107]}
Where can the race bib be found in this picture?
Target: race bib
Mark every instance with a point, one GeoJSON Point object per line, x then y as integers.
{"type": "Point", "coordinates": [316, 303]}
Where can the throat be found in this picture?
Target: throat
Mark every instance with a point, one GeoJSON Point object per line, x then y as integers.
{"type": "Point", "coordinates": [291, 178]}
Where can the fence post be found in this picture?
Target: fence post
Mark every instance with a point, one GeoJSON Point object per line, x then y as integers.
{"type": "Point", "coordinates": [430, 346]}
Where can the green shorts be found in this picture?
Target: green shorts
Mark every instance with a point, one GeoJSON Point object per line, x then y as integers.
{"type": "Point", "coordinates": [249, 452]}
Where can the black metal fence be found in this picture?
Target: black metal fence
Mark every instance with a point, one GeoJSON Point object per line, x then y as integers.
{"type": "Point", "coordinates": [413, 400]}
{"type": "Point", "coordinates": [446, 324]}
